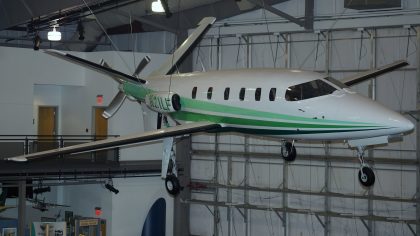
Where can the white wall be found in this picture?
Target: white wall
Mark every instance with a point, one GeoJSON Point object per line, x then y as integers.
{"type": "Point", "coordinates": [30, 79]}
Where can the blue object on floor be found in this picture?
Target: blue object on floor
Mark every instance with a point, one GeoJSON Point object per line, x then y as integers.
{"type": "Point", "coordinates": [155, 223]}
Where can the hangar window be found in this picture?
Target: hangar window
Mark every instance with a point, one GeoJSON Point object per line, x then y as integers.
{"type": "Point", "coordinates": [227, 91]}
{"type": "Point", "coordinates": [209, 93]}
{"type": "Point", "coordinates": [242, 94]}
{"type": "Point", "coordinates": [315, 88]}
{"type": "Point", "coordinates": [272, 94]}
{"type": "Point", "coordinates": [194, 93]}
{"type": "Point", "coordinates": [258, 94]}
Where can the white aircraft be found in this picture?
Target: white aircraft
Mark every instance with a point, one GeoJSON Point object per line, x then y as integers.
{"type": "Point", "coordinates": [290, 104]}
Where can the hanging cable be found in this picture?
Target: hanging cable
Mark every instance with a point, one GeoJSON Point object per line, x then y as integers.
{"type": "Point", "coordinates": [316, 52]}
{"type": "Point", "coordinates": [239, 48]}
{"type": "Point", "coordinates": [268, 30]}
{"type": "Point", "coordinates": [109, 38]}
{"type": "Point", "coordinates": [360, 49]}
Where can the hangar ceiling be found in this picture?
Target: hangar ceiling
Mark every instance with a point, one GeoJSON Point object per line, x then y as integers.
{"type": "Point", "coordinates": [115, 16]}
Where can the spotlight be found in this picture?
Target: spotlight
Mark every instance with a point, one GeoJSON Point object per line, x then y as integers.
{"type": "Point", "coordinates": [111, 188]}
{"type": "Point", "coordinates": [157, 6]}
{"type": "Point", "coordinates": [81, 31]}
{"type": "Point", "coordinates": [161, 6]}
{"type": "Point", "coordinates": [54, 35]}
{"type": "Point", "coordinates": [37, 42]}
{"type": "Point", "coordinates": [41, 190]}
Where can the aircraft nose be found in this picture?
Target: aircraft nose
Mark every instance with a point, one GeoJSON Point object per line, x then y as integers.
{"type": "Point", "coordinates": [399, 123]}
{"type": "Point", "coordinates": [406, 125]}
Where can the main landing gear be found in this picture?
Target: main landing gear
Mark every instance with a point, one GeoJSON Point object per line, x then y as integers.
{"type": "Point", "coordinates": [288, 151]}
{"type": "Point", "coordinates": [169, 168]}
{"type": "Point", "coordinates": [366, 175]}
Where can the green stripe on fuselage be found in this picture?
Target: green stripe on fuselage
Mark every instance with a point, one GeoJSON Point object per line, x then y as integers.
{"type": "Point", "coordinates": [202, 108]}
{"type": "Point", "coordinates": [191, 116]}
{"type": "Point", "coordinates": [206, 107]}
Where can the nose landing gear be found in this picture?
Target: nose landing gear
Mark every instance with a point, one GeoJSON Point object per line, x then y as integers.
{"type": "Point", "coordinates": [288, 151]}
{"type": "Point", "coordinates": [366, 175]}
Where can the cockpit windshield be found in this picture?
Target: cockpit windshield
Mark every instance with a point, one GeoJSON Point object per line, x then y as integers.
{"type": "Point", "coordinates": [336, 82]}
{"type": "Point", "coordinates": [311, 89]}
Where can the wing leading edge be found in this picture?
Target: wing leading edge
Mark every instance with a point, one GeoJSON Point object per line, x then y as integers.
{"type": "Point", "coordinates": [122, 141]}
{"type": "Point", "coordinates": [363, 76]}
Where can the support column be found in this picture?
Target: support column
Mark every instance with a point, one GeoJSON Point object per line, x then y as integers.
{"type": "Point", "coordinates": [372, 94]}
{"type": "Point", "coordinates": [327, 186]}
{"type": "Point", "coordinates": [418, 133]}
{"type": "Point", "coordinates": [246, 185]}
{"type": "Point", "coordinates": [229, 196]}
{"type": "Point", "coordinates": [216, 182]}
{"type": "Point", "coordinates": [182, 211]}
{"type": "Point", "coordinates": [22, 208]}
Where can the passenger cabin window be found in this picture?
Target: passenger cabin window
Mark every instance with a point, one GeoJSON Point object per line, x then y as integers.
{"type": "Point", "coordinates": [242, 94]}
{"type": "Point", "coordinates": [194, 93]}
{"type": "Point", "coordinates": [209, 93]}
{"type": "Point", "coordinates": [315, 88]}
{"type": "Point", "coordinates": [272, 94]}
{"type": "Point", "coordinates": [226, 95]}
{"type": "Point", "coordinates": [258, 94]}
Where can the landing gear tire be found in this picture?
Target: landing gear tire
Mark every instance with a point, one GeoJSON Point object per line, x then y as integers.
{"type": "Point", "coordinates": [172, 185]}
{"type": "Point", "coordinates": [288, 152]}
{"type": "Point", "coordinates": [367, 178]}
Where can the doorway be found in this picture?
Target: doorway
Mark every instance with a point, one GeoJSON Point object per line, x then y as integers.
{"type": "Point", "coordinates": [47, 128]}
{"type": "Point", "coordinates": [100, 124]}
{"type": "Point", "coordinates": [100, 131]}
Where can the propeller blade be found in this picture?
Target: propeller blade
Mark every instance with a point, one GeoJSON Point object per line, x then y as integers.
{"type": "Point", "coordinates": [114, 105]}
{"type": "Point", "coordinates": [143, 63]}
{"type": "Point", "coordinates": [159, 121]}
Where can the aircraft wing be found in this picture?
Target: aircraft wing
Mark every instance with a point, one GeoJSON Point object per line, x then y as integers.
{"type": "Point", "coordinates": [104, 69]}
{"type": "Point", "coordinates": [363, 76]}
{"type": "Point", "coordinates": [3, 208]}
{"type": "Point", "coordinates": [170, 64]}
{"type": "Point", "coordinates": [121, 141]}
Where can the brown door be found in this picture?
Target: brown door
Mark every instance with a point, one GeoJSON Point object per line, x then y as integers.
{"type": "Point", "coordinates": [100, 132]}
{"type": "Point", "coordinates": [101, 124]}
{"type": "Point", "coordinates": [46, 128]}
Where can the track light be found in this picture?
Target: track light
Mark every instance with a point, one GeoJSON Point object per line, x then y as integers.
{"type": "Point", "coordinates": [37, 42]}
{"type": "Point", "coordinates": [81, 31]}
{"type": "Point", "coordinates": [54, 35]}
{"type": "Point", "coordinates": [111, 188]}
{"type": "Point", "coordinates": [161, 6]}
{"type": "Point", "coordinates": [41, 190]}
{"type": "Point", "coordinates": [157, 6]}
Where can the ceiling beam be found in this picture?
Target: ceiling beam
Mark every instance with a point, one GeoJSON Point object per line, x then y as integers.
{"type": "Point", "coordinates": [265, 6]}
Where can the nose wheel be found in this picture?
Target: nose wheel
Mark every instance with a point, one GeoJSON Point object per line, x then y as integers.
{"type": "Point", "coordinates": [366, 174]}
{"type": "Point", "coordinates": [288, 151]}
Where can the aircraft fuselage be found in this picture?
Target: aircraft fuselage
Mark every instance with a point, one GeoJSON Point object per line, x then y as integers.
{"type": "Point", "coordinates": [291, 104]}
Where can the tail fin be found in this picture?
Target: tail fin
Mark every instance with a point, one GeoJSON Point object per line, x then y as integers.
{"type": "Point", "coordinates": [170, 64]}
{"type": "Point", "coordinates": [3, 197]}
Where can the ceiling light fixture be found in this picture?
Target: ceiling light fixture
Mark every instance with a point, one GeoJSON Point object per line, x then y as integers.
{"type": "Point", "coordinates": [54, 35]}
{"type": "Point", "coordinates": [37, 42]}
{"type": "Point", "coordinates": [81, 31]}
{"type": "Point", "coordinates": [157, 6]}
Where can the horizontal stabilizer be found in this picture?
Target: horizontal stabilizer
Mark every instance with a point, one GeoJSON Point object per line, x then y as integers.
{"type": "Point", "coordinates": [173, 60]}
{"type": "Point", "coordinates": [363, 76]}
{"type": "Point", "coordinates": [121, 141]}
{"type": "Point", "coordinates": [93, 66]}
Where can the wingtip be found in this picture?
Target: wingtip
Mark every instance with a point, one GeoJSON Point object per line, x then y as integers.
{"type": "Point", "coordinates": [17, 159]}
